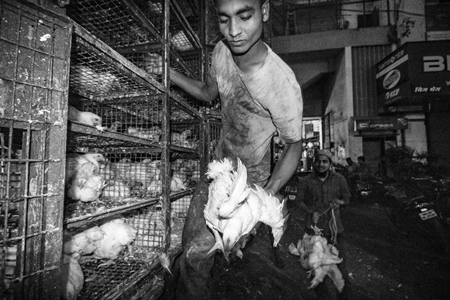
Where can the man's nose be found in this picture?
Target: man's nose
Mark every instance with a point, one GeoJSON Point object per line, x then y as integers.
{"type": "Point", "coordinates": [235, 28]}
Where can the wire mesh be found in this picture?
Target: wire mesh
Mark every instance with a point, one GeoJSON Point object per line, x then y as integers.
{"type": "Point", "coordinates": [92, 74]}
{"type": "Point", "coordinates": [184, 21]}
{"type": "Point", "coordinates": [100, 282]}
{"type": "Point", "coordinates": [34, 50]}
{"type": "Point", "coordinates": [118, 22]}
{"type": "Point", "coordinates": [151, 61]}
{"type": "Point", "coordinates": [33, 68]}
{"type": "Point", "coordinates": [10, 196]}
{"type": "Point", "coordinates": [30, 198]}
{"type": "Point", "coordinates": [213, 34]}
{"type": "Point", "coordinates": [137, 116]}
{"type": "Point", "coordinates": [150, 226]}
{"type": "Point", "coordinates": [113, 22]}
{"type": "Point", "coordinates": [185, 134]}
{"type": "Point", "coordinates": [179, 210]}
{"type": "Point", "coordinates": [125, 179]}
{"type": "Point", "coordinates": [215, 128]}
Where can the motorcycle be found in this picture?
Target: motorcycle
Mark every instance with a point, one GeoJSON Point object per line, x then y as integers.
{"type": "Point", "coordinates": [419, 208]}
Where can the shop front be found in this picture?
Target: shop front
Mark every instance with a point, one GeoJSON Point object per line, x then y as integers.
{"type": "Point", "coordinates": [378, 134]}
{"type": "Point", "coordinates": [414, 80]}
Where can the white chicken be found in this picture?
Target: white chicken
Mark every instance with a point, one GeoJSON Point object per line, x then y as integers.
{"type": "Point", "coordinates": [177, 184]}
{"type": "Point", "coordinates": [181, 173]}
{"type": "Point", "coordinates": [153, 134]}
{"type": "Point", "coordinates": [83, 243]}
{"type": "Point", "coordinates": [155, 188]}
{"type": "Point", "coordinates": [180, 139]}
{"type": "Point", "coordinates": [153, 63]}
{"type": "Point", "coordinates": [117, 236]}
{"type": "Point", "coordinates": [319, 257]}
{"type": "Point", "coordinates": [234, 208]}
{"type": "Point", "coordinates": [115, 126]}
{"type": "Point", "coordinates": [165, 262]}
{"type": "Point", "coordinates": [84, 117]}
{"type": "Point", "coordinates": [181, 42]}
{"type": "Point", "coordinates": [142, 173]}
{"type": "Point", "coordinates": [72, 277]}
{"type": "Point", "coordinates": [86, 186]}
{"type": "Point", "coordinates": [74, 161]}
{"type": "Point", "coordinates": [107, 171]}
{"type": "Point", "coordinates": [117, 189]}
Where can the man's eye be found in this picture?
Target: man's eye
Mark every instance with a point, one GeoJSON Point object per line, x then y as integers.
{"type": "Point", "coordinates": [245, 18]}
{"type": "Point", "coordinates": [223, 21]}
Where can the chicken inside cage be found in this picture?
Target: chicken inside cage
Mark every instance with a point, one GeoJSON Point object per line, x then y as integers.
{"type": "Point", "coordinates": [8, 257]}
{"type": "Point", "coordinates": [11, 167]}
{"type": "Point", "coordinates": [106, 243]}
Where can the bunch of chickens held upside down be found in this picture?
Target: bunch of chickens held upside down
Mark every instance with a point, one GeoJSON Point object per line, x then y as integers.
{"type": "Point", "coordinates": [234, 208]}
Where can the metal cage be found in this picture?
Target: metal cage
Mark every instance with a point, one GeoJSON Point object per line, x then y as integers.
{"type": "Point", "coordinates": [35, 50]}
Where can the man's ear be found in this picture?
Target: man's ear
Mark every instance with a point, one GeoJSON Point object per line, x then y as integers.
{"type": "Point", "coordinates": [265, 10]}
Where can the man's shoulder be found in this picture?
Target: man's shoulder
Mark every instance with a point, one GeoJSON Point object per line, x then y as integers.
{"type": "Point", "coordinates": [220, 50]}
{"type": "Point", "coordinates": [278, 63]}
{"type": "Point", "coordinates": [338, 175]}
{"type": "Point", "coordinates": [309, 177]}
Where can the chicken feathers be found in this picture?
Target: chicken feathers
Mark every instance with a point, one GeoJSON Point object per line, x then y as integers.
{"type": "Point", "coordinates": [83, 243]}
{"type": "Point", "coordinates": [86, 185]}
{"type": "Point", "coordinates": [239, 191]}
{"type": "Point", "coordinates": [234, 208]}
{"type": "Point", "coordinates": [165, 262]}
{"type": "Point", "coordinates": [320, 257]}
{"type": "Point", "coordinates": [72, 278]}
{"type": "Point", "coordinates": [117, 235]}
{"type": "Point", "coordinates": [84, 117]}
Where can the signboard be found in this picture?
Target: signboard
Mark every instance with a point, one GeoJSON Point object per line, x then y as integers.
{"type": "Point", "coordinates": [326, 132]}
{"type": "Point", "coordinates": [380, 123]}
{"type": "Point", "coordinates": [413, 72]}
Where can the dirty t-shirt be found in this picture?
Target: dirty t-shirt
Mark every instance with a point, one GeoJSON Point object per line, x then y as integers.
{"type": "Point", "coordinates": [254, 106]}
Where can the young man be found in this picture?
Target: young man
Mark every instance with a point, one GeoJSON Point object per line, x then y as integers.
{"type": "Point", "coordinates": [320, 194]}
{"type": "Point", "coordinates": [259, 96]}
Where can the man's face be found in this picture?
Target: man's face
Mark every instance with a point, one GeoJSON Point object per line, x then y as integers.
{"type": "Point", "coordinates": [241, 22]}
{"type": "Point", "coordinates": [322, 163]}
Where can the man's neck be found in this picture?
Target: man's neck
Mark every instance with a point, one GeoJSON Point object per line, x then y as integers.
{"type": "Point", "coordinates": [253, 59]}
{"type": "Point", "coordinates": [322, 176]}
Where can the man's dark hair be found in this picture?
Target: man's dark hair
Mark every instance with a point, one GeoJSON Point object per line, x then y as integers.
{"type": "Point", "coordinates": [261, 2]}
{"type": "Point", "coordinates": [362, 158]}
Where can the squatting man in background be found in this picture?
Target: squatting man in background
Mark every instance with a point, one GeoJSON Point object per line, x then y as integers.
{"type": "Point", "coordinates": [259, 96]}
{"type": "Point", "coordinates": [320, 195]}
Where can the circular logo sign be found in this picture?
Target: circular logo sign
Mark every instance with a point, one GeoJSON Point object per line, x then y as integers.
{"type": "Point", "coordinates": [391, 79]}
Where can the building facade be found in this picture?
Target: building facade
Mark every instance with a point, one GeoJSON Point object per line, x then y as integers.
{"type": "Point", "coordinates": [334, 48]}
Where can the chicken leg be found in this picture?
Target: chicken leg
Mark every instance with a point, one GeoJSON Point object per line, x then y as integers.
{"type": "Point", "coordinates": [219, 243]}
{"type": "Point", "coordinates": [276, 251]}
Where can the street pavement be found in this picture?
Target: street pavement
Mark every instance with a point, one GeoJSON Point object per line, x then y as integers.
{"type": "Point", "coordinates": [383, 262]}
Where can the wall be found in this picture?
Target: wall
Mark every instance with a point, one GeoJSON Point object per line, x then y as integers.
{"type": "Point", "coordinates": [350, 12]}
{"type": "Point", "coordinates": [364, 81]}
{"type": "Point", "coordinates": [341, 101]}
{"type": "Point", "coordinates": [307, 71]}
{"type": "Point", "coordinates": [334, 39]}
{"type": "Point", "coordinates": [411, 11]}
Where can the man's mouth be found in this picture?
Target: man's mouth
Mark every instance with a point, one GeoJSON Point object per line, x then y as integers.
{"type": "Point", "coordinates": [236, 43]}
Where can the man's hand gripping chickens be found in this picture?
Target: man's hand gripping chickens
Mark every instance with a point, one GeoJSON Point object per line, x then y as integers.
{"type": "Point", "coordinates": [234, 208]}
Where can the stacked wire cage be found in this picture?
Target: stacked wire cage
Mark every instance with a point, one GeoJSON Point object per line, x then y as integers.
{"type": "Point", "coordinates": [147, 138]}
{"type": "Point", "coordinates": [35, 51]}
{"type": "Point", "coordinates": [135, 148]}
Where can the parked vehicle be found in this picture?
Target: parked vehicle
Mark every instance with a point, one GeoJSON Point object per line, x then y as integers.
{"type": "Point", "coordinates": [420, 206]}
